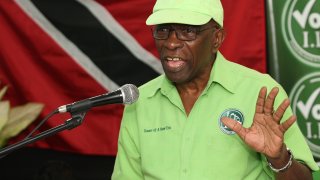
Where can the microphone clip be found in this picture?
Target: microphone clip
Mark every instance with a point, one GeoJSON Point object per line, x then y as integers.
{"type": "Point", "coordinates": [76, 120]}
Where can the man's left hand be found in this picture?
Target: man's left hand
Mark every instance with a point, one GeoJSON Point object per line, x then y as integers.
{"type": "Point", "coordinates": [266, 133]}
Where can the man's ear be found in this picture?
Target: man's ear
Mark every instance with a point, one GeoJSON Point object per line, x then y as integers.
{"type": "Point", "coordinates": [218, 39]}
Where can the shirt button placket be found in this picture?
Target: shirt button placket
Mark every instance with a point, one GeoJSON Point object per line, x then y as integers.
{"type": "Point", "coordinates": [185, 150]}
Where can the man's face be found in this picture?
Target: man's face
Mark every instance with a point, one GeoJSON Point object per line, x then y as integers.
{"type": "Point", "coordinates": [185, 61]}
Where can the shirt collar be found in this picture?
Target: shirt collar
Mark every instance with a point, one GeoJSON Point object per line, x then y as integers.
{"type": "Point", "coordinates": [162, 84]}
{"type": "Point", "coordinates": [221, 73]}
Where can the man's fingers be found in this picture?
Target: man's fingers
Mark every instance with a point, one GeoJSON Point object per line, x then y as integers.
{"type": "Point", "coordinates": [281, 110]}
{"type": "Point", "coordinates": [268, 106]}
{"type": "Point", "coordinates": [288, 123]}
{"type": "Point", "coordinates": [261, 99]}
{"type": "Point", "coordinates": [234, 126]}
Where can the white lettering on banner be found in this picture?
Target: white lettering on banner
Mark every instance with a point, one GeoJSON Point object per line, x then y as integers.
{"type": "Point", "coordinates": [314, 20]}
{"type": "Point", "coordinates": [310, 133]}
{"type": "Point", "coordinates": [302, 18]}
{"type": "Point", "coordinates": [306, 39]}
{"type": "Point", "coordinates": [305, 108]}
{"type": "Point", "coordinates": [309, 130]}
{"type": "Point", "coordinates": [316, 112]}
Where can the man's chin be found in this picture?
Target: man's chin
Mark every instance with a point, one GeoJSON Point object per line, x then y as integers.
{"type": "Point", "coordinates": [177, 80]}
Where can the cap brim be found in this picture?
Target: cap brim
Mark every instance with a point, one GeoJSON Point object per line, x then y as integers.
{"type": "Point", "coordinates": [177, 16]}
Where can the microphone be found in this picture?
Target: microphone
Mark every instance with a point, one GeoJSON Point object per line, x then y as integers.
{"type": "Point", "coordinates": [126, 94]}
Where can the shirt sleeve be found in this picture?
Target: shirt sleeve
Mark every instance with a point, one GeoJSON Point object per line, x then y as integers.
{"type": "Point", "coordinates": [128, 160]}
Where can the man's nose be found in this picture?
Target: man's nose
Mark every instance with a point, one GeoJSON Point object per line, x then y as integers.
{"type": "Point", "coordinates": [173, 42]}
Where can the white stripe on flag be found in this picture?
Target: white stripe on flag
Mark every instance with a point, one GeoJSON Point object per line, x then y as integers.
{"type": "Point", "coordinates": [82, 59]}
{"type": "Point", "coordinates": [122, 35]}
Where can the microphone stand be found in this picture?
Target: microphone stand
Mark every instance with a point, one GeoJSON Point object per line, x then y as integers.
{"type": "Point", "coordinates": [69, 124]}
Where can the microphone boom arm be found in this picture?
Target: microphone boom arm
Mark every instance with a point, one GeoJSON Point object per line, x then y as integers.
{"type": "Point", "coordinates": [127, 94]}
{"type": "Point", "coordinates": [69, 124]}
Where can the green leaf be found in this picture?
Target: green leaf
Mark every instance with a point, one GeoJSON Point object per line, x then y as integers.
{"type": "Point", "coordinates": [19, 118]}
{"type": "Point", "coordinates": [3, 91]}
{"type": "Point", "coordinates": [4, 113]}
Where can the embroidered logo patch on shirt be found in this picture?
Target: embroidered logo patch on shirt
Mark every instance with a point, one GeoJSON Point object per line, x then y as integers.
{"type": "Point", "coordinates": [233, 114]}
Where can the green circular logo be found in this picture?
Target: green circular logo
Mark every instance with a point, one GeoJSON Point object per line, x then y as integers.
{"type": "Point", "coordinates": [301, 30]}
{"type": "Point", "coordinates": [306, 106]}
{"type": "Point", "coordinates": [233, 114]}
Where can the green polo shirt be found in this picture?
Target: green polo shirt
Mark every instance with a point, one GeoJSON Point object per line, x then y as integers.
{"type": "Point", "coordinates": [158, 141]}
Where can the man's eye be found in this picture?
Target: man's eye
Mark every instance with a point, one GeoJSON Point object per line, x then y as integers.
{"type": "Point", "coordinates": [163, 29]}
{"type": "Point", "coordinates": [189, 30]}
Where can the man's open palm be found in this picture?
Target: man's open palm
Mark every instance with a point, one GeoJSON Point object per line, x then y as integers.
{"type": "Point", "coordinates": [266, 132]}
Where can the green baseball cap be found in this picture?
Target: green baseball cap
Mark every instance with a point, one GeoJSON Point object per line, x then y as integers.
{"type": "Point", "coordinates": [191, 12]}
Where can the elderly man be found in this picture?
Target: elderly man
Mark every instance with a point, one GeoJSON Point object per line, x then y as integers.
{"type": "Point", "coordinates": [207, 118]}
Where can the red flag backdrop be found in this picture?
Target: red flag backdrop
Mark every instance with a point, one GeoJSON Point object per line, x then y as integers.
{"type": "Point", "coordinates": [58, 52]}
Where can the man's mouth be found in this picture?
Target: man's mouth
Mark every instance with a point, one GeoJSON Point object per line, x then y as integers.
{"type": "Point", "coordinates": [174, 63]}
{"type": "Point", "coordinates": [173, 59]}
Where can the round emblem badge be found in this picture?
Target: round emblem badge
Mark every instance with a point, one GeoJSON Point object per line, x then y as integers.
{"type": "Point", "coordinates": [305, 96]}
{"type": "Point", "coordinates": [233, 114]}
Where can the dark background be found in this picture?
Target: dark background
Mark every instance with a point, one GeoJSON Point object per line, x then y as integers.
{"type": "Point", "coordinates": [44, 164]}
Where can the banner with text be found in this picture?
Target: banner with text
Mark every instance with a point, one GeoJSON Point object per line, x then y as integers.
{"type": "Point", "coordinates": [294, 54]}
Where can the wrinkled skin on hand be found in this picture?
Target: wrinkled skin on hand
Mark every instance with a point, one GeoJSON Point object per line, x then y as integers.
{"type": "Point", "coordinates": [266, 134]}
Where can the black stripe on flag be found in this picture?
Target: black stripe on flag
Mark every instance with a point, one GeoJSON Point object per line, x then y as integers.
{"type": "Point", "coordinates": [78, 24]}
